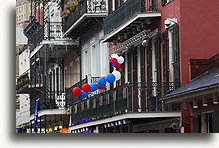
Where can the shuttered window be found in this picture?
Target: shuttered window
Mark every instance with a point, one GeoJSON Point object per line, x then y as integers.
{"type": "Point", "coordinates": [176, 59]}
{"type": "Point", "coordinates": [165, 57]}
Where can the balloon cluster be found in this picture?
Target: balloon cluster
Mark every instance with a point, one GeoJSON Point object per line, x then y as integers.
{"type": "Point", "coordinates": [101, 82]}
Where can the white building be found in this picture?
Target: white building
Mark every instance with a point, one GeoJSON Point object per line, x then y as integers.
{"type": "Point", "coordinates": [23, 114]}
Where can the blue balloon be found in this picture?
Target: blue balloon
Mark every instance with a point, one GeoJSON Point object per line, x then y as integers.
{"type": "Point", "coordinates": [113, 65]}
{"type": "Point", "coordinates": [93, 87]}
{"type": "Point", "coordinates": [84, 94]}
{"type": "Point", "coordinates": [101, 82]}
{"type": "Point", "coordinates": [110, 78]}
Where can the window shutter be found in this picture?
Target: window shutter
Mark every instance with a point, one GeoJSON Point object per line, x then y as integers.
{"type": "Point", "coordinates": [165, 60]}
{"type": "Point", "coordinates": [176, 53]}
{"type": "Point", "coordinates": [157, 57]}
{"type": "Point", "coordinates": [143, 95]}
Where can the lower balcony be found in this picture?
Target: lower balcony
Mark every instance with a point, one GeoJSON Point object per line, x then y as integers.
{"type": "Point", "coordinates": [53, 100]}
{"type": "Point", "coordinates": [128, 98]}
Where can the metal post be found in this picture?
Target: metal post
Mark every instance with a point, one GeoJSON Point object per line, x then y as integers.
{"type": "Point", "coordinates": [40, 125]}
{"type": "Point", "coordinates": [45, 124]}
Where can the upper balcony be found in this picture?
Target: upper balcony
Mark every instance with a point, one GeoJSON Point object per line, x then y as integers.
{"type": "Point", "coordinates": [129, 98]}
{"type": "Point", "coordinates": [34, 31]}
{"type": "Point", "coordinates": [133, 16]}
{"type": "Point", "coordinates": [82, 16]}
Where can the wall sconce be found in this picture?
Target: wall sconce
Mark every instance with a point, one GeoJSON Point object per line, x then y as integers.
{"type": "Point", "coordinates": [119, 123]}
{"type": "Point", "coordinates": [124, 122]}
{"type": "Point", "coordinates": [215, 99]}
{"type": "Point", "coordinates": [55, 128]}
{"type": "Point", "coordinates": [195, 104]}
{"type": "Point", "coordinates": [60, 127]}
{"type": "Point", "coordinates": [204, 102]}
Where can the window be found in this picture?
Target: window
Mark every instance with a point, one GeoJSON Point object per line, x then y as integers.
{"type": "Point", "coordinates": [174, 54]}
{"type": "Point", "coordinates": [165, 2]}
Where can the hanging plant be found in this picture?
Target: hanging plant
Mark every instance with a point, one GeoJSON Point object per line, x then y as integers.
{"type": "Point", "coordinates": [64, 14]}
{"type": "Point", "coordinates": [70, 6]}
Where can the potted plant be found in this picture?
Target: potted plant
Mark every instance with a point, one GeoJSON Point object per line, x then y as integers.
{"type": "Point", "coordinates": [70, 6]}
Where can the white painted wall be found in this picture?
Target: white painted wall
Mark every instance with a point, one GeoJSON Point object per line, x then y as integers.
{"type": "Point", "coordinates": [95, 57]}
{"type": "Point", "coordinates": [23, 116]}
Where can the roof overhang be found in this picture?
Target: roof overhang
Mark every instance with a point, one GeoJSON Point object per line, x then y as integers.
{"type": "Point", "coordinates": [139, 16]}
{"type": "Point", "coordinates": [81, 19]}
{"type": "Point", "coordinates": [61, 42]}
{"type": "Point", "coordinates": [189, 95]}
{"type": "Point", "coordinates": [128, 116]}
{"type": "Point", "coordinates": [49, 112]}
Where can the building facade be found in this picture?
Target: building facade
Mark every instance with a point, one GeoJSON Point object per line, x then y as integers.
{"type": "Point", "coordinates": [22, 12]}
{"type": "Point", "coordinates": [71, 43]}
{"type": "Point", "coordinates": [201, 95]}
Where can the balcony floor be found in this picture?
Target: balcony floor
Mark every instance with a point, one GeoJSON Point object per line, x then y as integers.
{"type": "Point", "coordinates": [127, 27]}
{"type": "Point", "coordinates": [83, 23]}
{"type": "Point", "coordinates": [142, 115]}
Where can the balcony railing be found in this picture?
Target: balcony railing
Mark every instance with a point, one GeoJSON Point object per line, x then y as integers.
{"type": "Point", "coordinates": [34, 31]}
{"type": "Point", "coordinates": [54, 100]}
{"type": "Point", "coordinates": [70, 98]}
{"type": "Point", "coordinates": [53, 30]}
{"type": "Point", "coordinates": [127, 11]}
{"type": "Point", "coordinates": [124, 99]}
{"type": "Point", "coordinates": [86, 7]}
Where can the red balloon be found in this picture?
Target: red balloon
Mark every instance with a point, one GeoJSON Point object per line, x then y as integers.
{"type": "Point", "coordinates": [101, 88]}
{"type": "Point", "coordinates": [86, 88]}
{"type": "Point", "coordinates": [76, 91]}
{"type": "Point", "coordinates": [118, 66]}
{"type": "Point", "coordinates": [114, 61]}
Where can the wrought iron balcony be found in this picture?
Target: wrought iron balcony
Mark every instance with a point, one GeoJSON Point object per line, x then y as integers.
{"type": "Point", "coordinates": [34, 31]}
{"type": "Point", "coordinates": [81, 18]}
{"type": "Point", "coordinates": [53, 30]}
{"type": "Point", "coordinates": [129, 13]}
{"type": "Point", "coordinates": [124, 99]}
{"type": "Point", "coordinates": [53, 100]}
{"type": "Point", "coordinates": [70, 98]}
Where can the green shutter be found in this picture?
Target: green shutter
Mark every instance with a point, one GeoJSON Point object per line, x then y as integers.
{"type": "Point", "coordinates": [157, 57]}
{"type": "Point", "coordinates": [143, 95]}
{"type": "Point", "coordinates": [176, 53]}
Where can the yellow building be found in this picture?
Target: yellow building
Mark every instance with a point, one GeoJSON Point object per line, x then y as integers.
{"type": "Point", "coordinates": [22, 12]}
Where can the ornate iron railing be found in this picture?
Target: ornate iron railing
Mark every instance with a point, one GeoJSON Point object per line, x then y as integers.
{"type": "Point", "coordinates": [127, 11]}
{"type": "Point", "coordinates": [124, 99]}
{"type": "Point", "coordinates": [53, 30]}
{"type": "Point", "coordinates": [70, 98]}
{"type": "Point", "coordinates": [34, 31]}
{"type": "Point", "coordinates": [87, 6]}
{"type": "Point", "coordinates": [52, 101]}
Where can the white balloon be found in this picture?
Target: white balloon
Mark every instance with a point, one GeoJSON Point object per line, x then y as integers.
{"type": "Point", "coordinates": [114, 56]}
{"type": "Point", "coordinates": [117, 74]}
{"type": "Point", "coordinates": [120, 60]}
